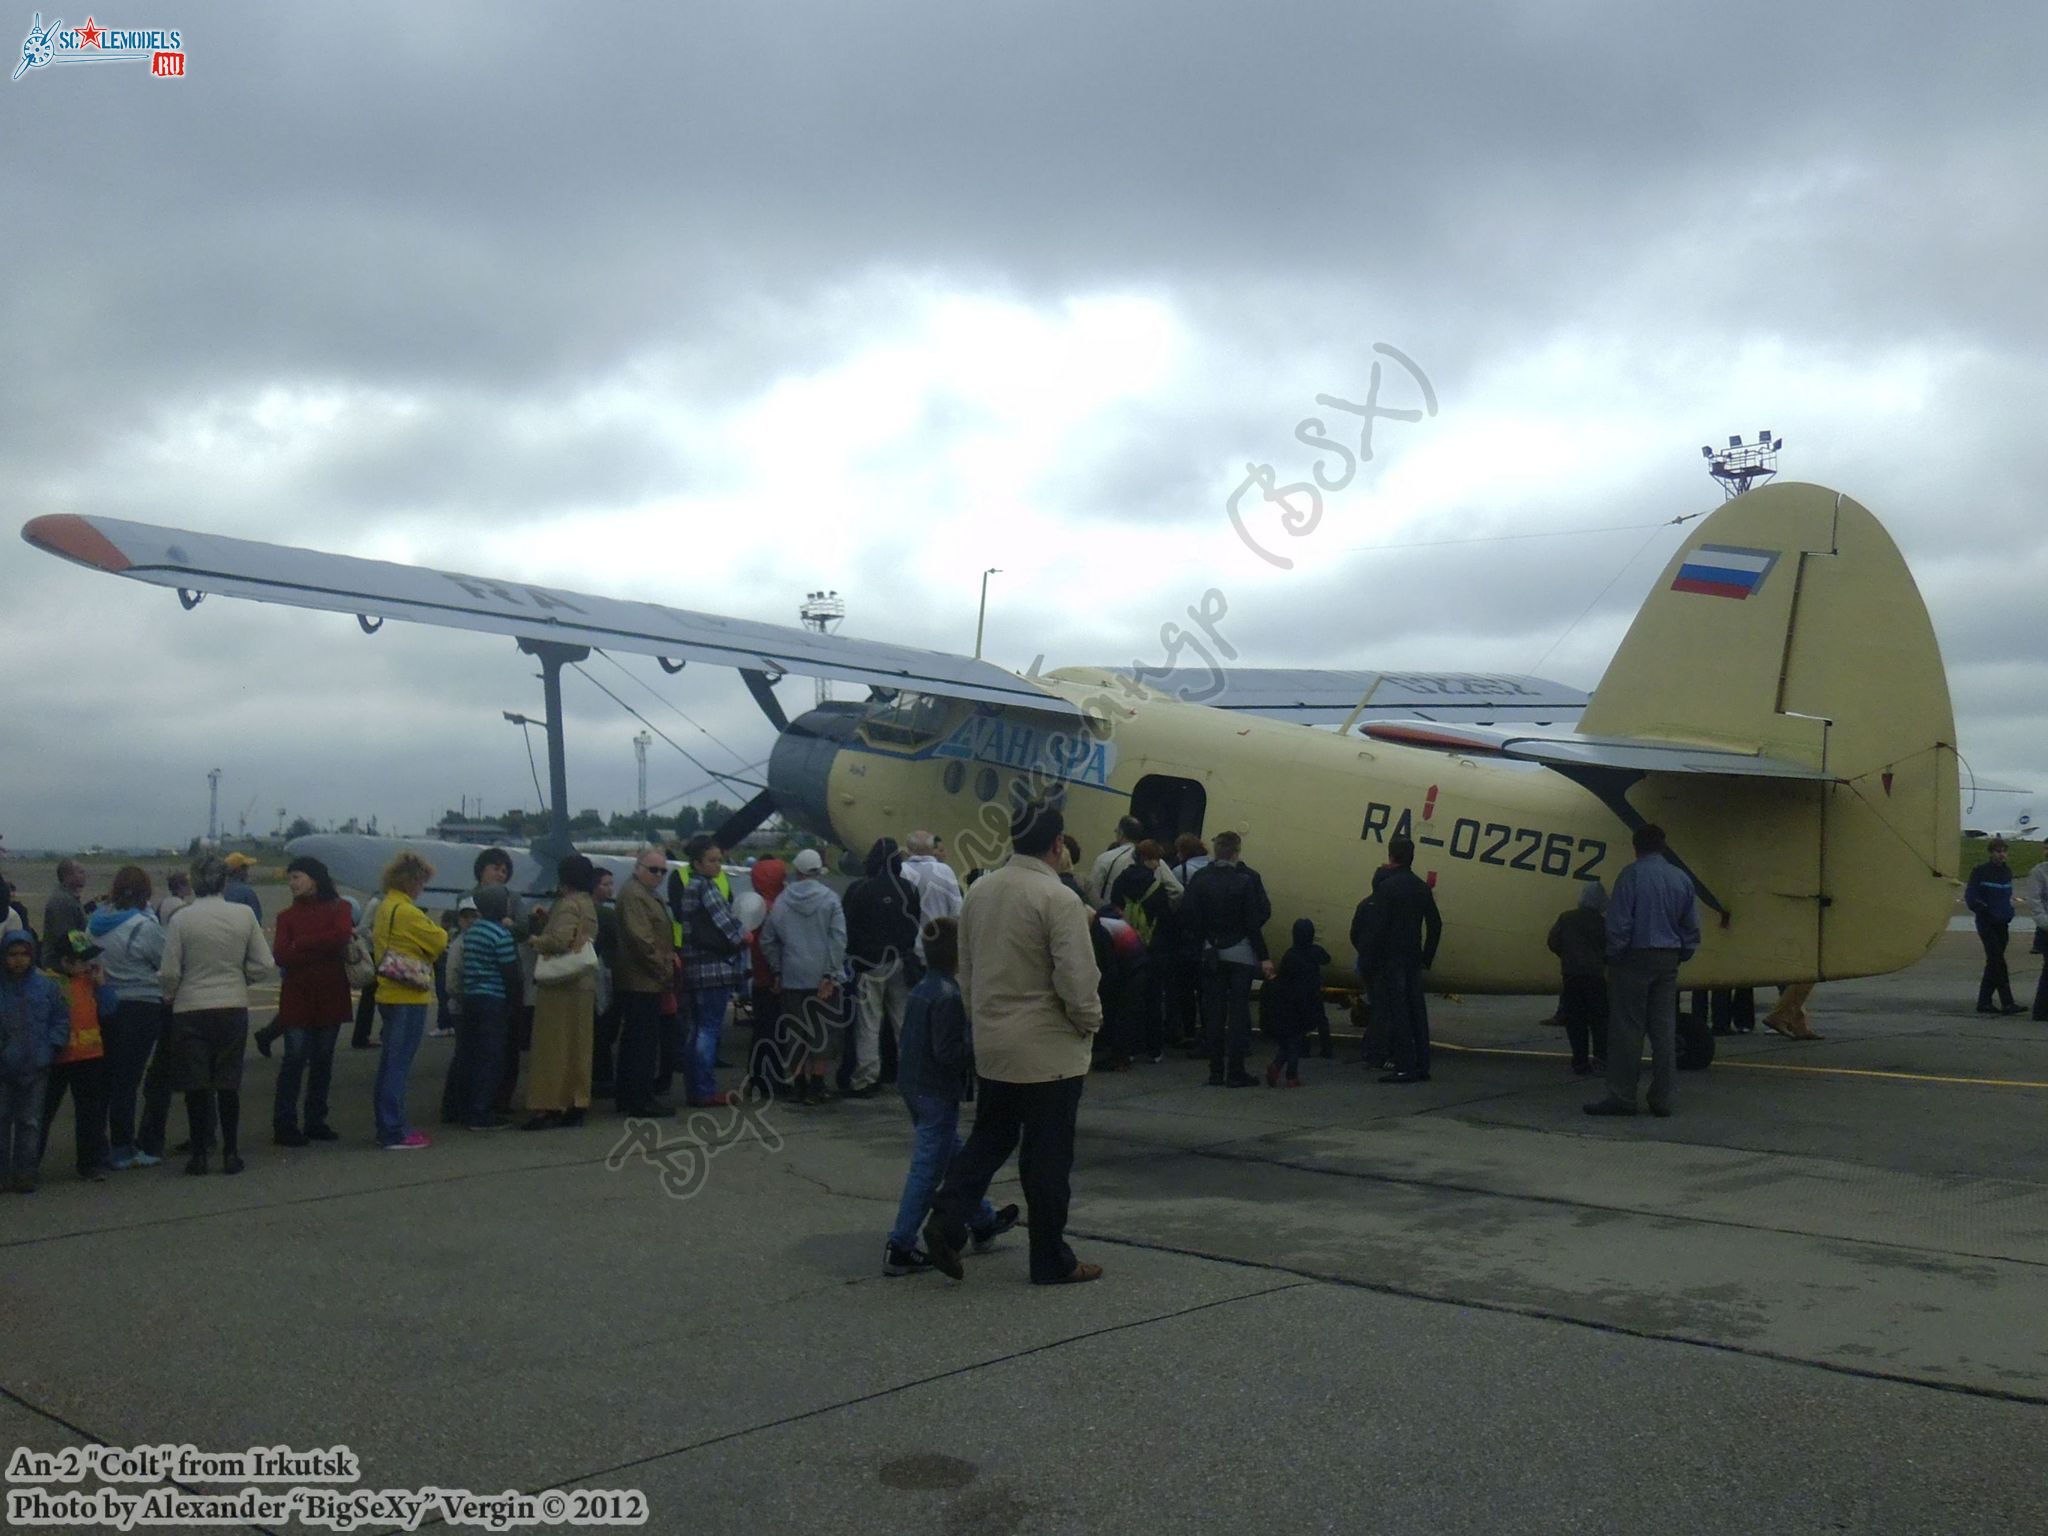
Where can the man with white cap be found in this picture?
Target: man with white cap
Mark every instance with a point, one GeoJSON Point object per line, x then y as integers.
{"type": "Point", "coordinates": [804, 943]}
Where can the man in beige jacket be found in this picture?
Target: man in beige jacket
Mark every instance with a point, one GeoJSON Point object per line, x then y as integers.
{"type": "Point", "coordinates": [1028, 977]}
{"type": "Point", "coordinates": [644, 969]}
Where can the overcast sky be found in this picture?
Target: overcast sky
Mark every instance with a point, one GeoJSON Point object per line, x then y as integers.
{"type": "Point", "coordinates": [717, 304]}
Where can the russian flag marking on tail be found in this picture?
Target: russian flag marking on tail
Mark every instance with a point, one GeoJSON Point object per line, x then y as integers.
{"type": "Point", "coordinates": [1723, 570]}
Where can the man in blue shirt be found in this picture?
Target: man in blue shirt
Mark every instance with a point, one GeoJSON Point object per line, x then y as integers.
{"type": "Point", "coordinates": [1989, 896]}
{"type": "Point", "coordinates": [1653, 927]}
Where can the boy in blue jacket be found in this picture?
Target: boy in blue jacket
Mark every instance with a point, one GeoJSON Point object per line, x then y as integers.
{"type": "Point", "coordinates": [35, 1024]}
{"type": "Point", "coordinates": [934, 1073]}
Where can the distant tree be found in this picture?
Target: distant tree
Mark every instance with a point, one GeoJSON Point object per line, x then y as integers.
{"type": "Point", "coordinates": [688, 822]}
{"type": "Point", "coordinates": [300, 827]}
{"type": "Point", "coordinates": [713, 815]}
{"type": "Point", "coordinates": [587, 821]}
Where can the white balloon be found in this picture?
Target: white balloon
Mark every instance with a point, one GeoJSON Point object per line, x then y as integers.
{"type": "Point", "coordinates": [750, 909]}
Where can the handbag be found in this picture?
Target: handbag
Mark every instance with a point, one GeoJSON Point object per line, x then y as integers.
{"type": "Point", "coordinates": [565, 970]}
{"type": "Point", "coordinates": [406, 970]}
{"type": "Point", "coordinates": [355, 963]}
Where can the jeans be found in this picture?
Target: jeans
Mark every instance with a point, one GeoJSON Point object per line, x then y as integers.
{"type": "Point", "coordinates": [404, 1023]}
{"type": "Point", "coordinates": [481, 1031]}
{"type": "Point", "coordinates": [156, 1093]}
{"type": "Point", "coordinates": [1287, 1056]}
{"type": "Point", "coordinates": [935, 1131]}
{"type": "Point", "coordinates": [1997, 979]}
{"type": "Point", "coordinates": [1036, 1120]}
{"type": "Point", "coordinates": [1643, 989]}
{"type": "Point", "coordinates": [884, 996]}
{"type": "Point", "coordinates": [707, 1022]}
{"type": "Point", "coordinates": [1227, 1012]}
{"type": "Point", "coordinates": [308, 1053]}
{"type": "Point", "coordinates": [21, 1124]}
{"type": "Point", "coordinates": [130, 1034]}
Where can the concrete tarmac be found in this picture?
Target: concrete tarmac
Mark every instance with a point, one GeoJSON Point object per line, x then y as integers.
{"type": "Point", "coordinates": [1810, 1301]}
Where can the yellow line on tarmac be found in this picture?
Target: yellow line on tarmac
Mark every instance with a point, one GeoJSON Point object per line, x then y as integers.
{"type": "Point", "coordinates": [1772, 1066]}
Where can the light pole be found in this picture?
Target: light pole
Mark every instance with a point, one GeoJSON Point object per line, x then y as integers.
{"type": "Point", "coordinates": [981, 618]}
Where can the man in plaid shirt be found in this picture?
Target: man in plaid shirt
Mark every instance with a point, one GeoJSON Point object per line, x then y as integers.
{"type": "Point", "coordinates": [714, 961]}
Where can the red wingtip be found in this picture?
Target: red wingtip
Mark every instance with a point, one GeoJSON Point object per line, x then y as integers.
{"type": "Point", "coordinates": [69, 535]}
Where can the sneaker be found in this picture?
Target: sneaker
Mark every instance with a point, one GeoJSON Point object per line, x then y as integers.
{"type": "Point", "coordinates": [322, 1133]}
{"type": "Point", "coordinates": [496, 1123]}
{"type": "Point", "coordinates": [144, 1159]}
{"type": "Point", "coordinates": [122, 1159]}
{"type": "Point", "coordinates": [263, 1038]}
{"type": "Point", "coordinates": [289, 1136]}
{"type": "Point", "coordinates": [545, 1120]}
{"type": "Point", "coordinates": [869, 1092]}
{"type": "Point", "coordinates": [413, 1141]}
{"type": "Point", "coordinates": [93, 1175]}
{"type": "Point", "coordinates": [1215, 1080]}
{"type": "Point", "coordinates": [897, 1262]}
{"type": "Point", "coordinates": [1240, 1080]}
{"type": "Point", "coordinates": [232, 1163]}
{"type": "Point", "coordinates": [1156, 1057]}
{"type": "Point", "coordinates": [1006, 1218]}
{"type": "Point", "coordinates": [196, 1163]}
{"type": "Point", "coordinates": [432, 1034]}
{"type": "Point", "coordinates": [1610, 1107]}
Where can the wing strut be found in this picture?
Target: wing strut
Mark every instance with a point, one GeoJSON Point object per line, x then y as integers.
{"type": "Point", "coordinates": [553, 656]}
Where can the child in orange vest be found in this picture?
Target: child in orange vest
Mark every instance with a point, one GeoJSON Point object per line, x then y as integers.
{"type": "Point", "coordinates": [81, 1066]}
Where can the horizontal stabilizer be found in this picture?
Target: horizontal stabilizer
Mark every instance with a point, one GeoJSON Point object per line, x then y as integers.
{"type": "Point", "coordinates": [1566, 753]}
{"type": "Point", "coordinates": [1312, 697]}
{"type": "Point", "coordinates": [205, 563]}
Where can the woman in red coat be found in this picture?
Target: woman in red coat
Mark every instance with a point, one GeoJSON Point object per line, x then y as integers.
{"type": "Point", "coordinates": [313, 1002]}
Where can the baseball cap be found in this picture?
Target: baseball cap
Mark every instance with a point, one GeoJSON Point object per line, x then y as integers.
{"type": "Point", "coordinates": [467, 904]}
{"type": "Point", "coordinates": [807, 862]}
{"type": "Point", "coordinates": [80, 945]}
{"type": "Point", "coordinates": [239, 861]}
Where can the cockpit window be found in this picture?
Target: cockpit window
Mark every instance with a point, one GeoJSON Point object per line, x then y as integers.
{"type": "Point", "coordinates": [908, 720]}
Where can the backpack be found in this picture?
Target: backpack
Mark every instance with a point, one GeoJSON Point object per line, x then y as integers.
{"type": "Point", "coordinates": [1139, 916]}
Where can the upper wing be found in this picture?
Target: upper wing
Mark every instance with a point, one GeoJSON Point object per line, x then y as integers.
{"type": "Point", "coordinates": [306, 578]}
{"type": "Point", "coordinates": [1331, 698]}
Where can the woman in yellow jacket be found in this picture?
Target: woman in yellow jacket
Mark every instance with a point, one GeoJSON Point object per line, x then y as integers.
{"type": "Point", "coordinates": [565, 1009]}
{"type": "Point", "coordinates": [404, 942]}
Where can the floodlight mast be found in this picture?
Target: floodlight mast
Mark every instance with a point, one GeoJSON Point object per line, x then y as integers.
{"type": "Point", "coordinates": [822, 612]}
{"type": "Point", "coordinates": [1738, 466]}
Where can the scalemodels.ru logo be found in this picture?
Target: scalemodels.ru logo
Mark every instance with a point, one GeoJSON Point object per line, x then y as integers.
{"type": "Point", "coordinates": [164, 50]}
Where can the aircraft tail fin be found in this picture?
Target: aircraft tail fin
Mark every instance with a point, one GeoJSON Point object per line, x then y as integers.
{"type": "Point", "coordinates": [1789, 626]}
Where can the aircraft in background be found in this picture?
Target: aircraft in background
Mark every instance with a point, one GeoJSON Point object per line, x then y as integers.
{"type": "Point", "coordinates": [2024, 829]}
{"type": "Point", "coordinates": [1799, 751]}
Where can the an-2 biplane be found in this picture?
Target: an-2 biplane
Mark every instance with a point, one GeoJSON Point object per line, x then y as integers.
{"type": "Point", "coordinates": [1778, 705]}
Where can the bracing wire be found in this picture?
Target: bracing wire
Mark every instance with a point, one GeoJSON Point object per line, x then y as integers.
{"type": "Point", "coordinates": [668, 703]}
{"type": "Point", "coordinates": [1655, 529]}
{"type": "Point", "coordinates": [700, 764]}
{"type": "Point", "coordinates": [533, 768]}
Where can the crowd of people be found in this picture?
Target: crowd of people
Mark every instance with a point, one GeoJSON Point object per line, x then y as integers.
{"type": "Point", "coordinates": [1007, 991]}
